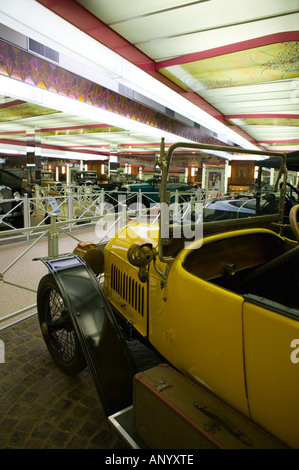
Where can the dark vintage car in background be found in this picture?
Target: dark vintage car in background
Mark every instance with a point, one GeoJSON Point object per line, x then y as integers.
{"type": "Point", "coordinates": [239, 208]}
{"type": "Point", "coordinates": [128, 193]}
{"type": "Point", "coordinates": [263, 200]}
{"type": "Point", "coordinates": [89, 178]}
{"type": "Point", "coordinates": [13, 185]}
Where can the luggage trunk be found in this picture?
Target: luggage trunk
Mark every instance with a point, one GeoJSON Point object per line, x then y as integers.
{"type": "Point", "coordinates": [171, 412]}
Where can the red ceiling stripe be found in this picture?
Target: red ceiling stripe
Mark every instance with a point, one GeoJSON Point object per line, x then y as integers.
{"type": "Point", "coordinates": [279, 151]}
{"type": "Point", "coordinates": [261, 116]}
{"type": "Point", "coordinates": [83, 19]}
{"type": "Point", "coordinates": [239, 46]}
{"type": "Point", "coordinates": [11, 103]}
{"type": "Point", "coordinates": [13, 142]}
{"type": "Point", "coordinates": [266, 141]}
{"type": "Point", "coordinates": [66, 128]}
{"type": "Point", "coordinates": [18, 143]}
{"type": "Point", "coordinates": [13, 132]}
{"type": "Point", "coordinates": [87, 145]}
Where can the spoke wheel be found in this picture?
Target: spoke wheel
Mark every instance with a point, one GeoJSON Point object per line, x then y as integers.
{"type": "Point", "coordinates": [57, 328]}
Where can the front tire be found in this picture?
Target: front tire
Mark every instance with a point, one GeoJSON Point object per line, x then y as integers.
{"type": "Point", "coordinates": [57, 327]}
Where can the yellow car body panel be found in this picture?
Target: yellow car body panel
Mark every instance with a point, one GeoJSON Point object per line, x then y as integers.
{"type": "Point", "coordinates": [122, 286]}
{"type": "Point", "coordinates": [272, 374]}
{"type": "Point", "coordinates": [185, 329]}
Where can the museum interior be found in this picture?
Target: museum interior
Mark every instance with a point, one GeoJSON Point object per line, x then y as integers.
{"type": "Point", "coordinates": [109, 112]}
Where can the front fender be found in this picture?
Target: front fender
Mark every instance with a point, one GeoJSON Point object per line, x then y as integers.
{"type": "Point", "coordinates": [105, 349]}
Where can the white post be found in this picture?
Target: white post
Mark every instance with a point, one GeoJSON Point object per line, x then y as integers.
{"type": "Point", "coordinates": [26, 214]}
{"type": "Point", "coordinates": [102, 202]}
{"type": "Point", "coordinates": [68, 174]}
{"type": "Point", "coordinates": [140, 173]}
{"type": "Point", "coordinates": [70, 204]}
{"type": "Point", "coordinates": [186, 175]}
{"type": "Point", "coordinates": [53, 237]}
{"type": "Point", "coordinates": [139, 204]}
{"type": "Point", "coordinates": [176, 205]}
{"type": "Point", "coordinates": [272, 171]}
{"type": "Point", "coordinates": [123, 221]}
{"type": "Point", "coordinates": [204, 171]}
{"type": "Point", "coordinates": [226, 177]}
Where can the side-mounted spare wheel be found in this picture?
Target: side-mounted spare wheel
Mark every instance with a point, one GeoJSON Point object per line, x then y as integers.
{"type": "Point", "coordinates": [57, 327]}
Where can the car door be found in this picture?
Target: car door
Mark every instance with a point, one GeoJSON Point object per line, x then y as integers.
{"type": "Point", "coordinates": [197, 327]}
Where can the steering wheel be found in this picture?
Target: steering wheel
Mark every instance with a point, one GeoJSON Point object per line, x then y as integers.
{"type": "Point", "coordinates": [293, 221]}
{"type": "Point", "coordinates": [291, 198]}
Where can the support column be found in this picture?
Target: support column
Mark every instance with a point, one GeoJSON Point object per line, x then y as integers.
{"type": "Point", "coordinates": [186, 175]}
{"type": "Point", "coordinates": [68, 175]}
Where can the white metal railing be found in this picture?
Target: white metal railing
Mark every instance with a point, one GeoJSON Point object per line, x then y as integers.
{"type": "Point", "coordinates": [76, 205]}
{"type": "Point", "coordinates": [52, 232]}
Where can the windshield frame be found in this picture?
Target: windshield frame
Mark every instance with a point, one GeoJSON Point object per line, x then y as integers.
{"type": "Point", "coordinates": [164, 161]}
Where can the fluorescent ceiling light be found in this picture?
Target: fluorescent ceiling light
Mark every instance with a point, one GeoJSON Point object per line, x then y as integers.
{"type": "Point", "coordinates": [7, 149]}
{"type": "Point", "coordinates": [21, 90]}
{"type": "Point", "coordinates": [248, 157]}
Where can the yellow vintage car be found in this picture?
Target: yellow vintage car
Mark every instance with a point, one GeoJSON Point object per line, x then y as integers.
{"type": "Point", "coordinates": [221, 307]}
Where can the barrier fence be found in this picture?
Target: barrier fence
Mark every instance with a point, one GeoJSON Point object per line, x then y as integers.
{"type": "Point", "coordinates": [74, 206]}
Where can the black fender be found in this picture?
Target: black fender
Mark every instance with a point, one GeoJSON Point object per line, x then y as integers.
{"type": "Point", "coordinates": [107, 355]}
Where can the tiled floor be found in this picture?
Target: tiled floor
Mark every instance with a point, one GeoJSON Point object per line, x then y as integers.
{"type": "Point", "coordinates": [41, 407]}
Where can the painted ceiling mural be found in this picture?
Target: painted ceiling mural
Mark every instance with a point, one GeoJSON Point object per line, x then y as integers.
{"type": "Point", "coordinates": [260, 64]}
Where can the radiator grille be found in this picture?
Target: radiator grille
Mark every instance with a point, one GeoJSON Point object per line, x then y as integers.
{"type": "Point", "coordinates": [128, 288]}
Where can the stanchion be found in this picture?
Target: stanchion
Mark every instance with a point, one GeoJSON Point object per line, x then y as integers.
{"type": "Point", "coordinates": [53, 236]}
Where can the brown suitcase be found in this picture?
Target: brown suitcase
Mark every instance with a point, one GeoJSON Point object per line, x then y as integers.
{"type": "Point", "coordinates": [171, 412]}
